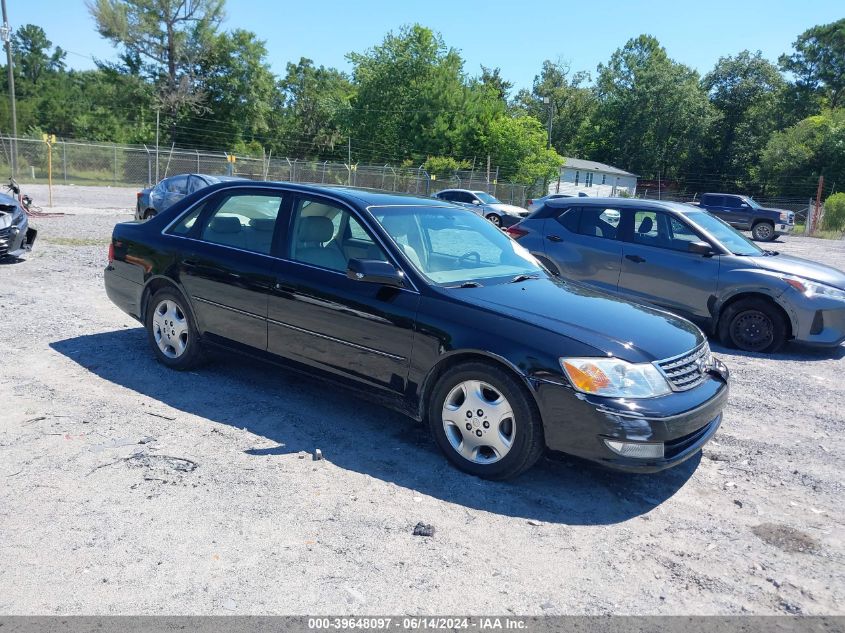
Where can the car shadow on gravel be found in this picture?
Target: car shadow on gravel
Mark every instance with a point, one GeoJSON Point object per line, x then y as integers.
{"type": "Point", "coordinates": [299, 413]}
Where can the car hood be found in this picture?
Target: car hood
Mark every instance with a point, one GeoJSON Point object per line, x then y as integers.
{"type": "Point", "coordinates": [802, 268]}
{"type": "Point", "coordinates": [508, 208]}
{"type": "Point", "coordinates": [609, 324]}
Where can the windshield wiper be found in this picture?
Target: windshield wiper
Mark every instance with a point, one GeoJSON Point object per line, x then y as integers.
{"type": "Point", "coordinates": [523, 277]}
{"type": "Point", "coordinates": [467, 284]}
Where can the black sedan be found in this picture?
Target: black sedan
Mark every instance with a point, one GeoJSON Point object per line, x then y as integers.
{"type": "Point", "coordinates": [427, 308]}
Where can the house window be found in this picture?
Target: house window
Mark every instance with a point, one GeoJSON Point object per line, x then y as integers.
{"type": "Point", "coordinates": [588, 179]}
{"type": "Point", "coordinates": [577, 176]}
{"type": "Point", "coordinates": [603, 178]}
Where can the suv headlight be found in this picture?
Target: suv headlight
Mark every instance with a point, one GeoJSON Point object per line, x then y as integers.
{"type": "Point", "coordinates": [814, 288]}
{"type": "Point", "coordinates": [615, 378]}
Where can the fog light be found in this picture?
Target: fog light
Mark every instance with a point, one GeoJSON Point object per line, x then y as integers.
{"type": "Point", "coordinates": [635, 449]}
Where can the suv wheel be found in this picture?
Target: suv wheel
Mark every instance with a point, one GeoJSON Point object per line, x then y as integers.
{"type": "Point", "coordinates": [485, 422]}
{"type": "Point", "coordinates": [753, 325]}
{"type": "Point", "coordinates": [495, 219]}
{"type": "Point", "coordinates": [171, 330]}
{"type": "Point", "coordinates": [763, 231]}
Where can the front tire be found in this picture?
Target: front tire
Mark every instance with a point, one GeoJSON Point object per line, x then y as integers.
{"type": "Point", "coordinates": [753, 325]}
{"type": "Point", "coordinates": [495, 219]}
{"type": "Point", "coordinates": [171, 330]}
{"type": "Point", "coordinates": [763, 232]}
{"type": "Point", "coordinates": [485, 421]}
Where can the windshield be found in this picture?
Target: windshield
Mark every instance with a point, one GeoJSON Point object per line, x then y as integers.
{"type": "Point", "coordinates": [486, 198]}
{"type": "Point", "coordinates": [753, 203]}
{"type": "Point", "coordinates": [455, 246]}
{"type": "Point", "coordinates": [728, 236]}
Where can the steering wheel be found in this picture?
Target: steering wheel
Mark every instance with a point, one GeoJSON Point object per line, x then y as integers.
{"type": "Point", "coordinates": [469, 254]}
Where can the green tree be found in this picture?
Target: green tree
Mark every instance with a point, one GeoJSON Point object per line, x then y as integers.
{"type": "Point", "coordinates": [818, 62]}
{"type": "Point", "coordinates": [517, 144]}
{"type": "Point", "coordinates": [571, 103]}
{"type": "Point", "coordinates": [32, 53]}
{"type": "Point", "coordinates": [652, 116]}
{"type": "Point", "coordinates": [794, 159]}
{"type": "Point", "coordinates": [165, 39]}
{"type": "Point", "coordinates": [492, 78]}
{"type": "Point", "coordinates": [239, 91]}
{"type": "Point", "coordinates": [746, 91]}
{"type": "Point", "coordinates": [314, 108]}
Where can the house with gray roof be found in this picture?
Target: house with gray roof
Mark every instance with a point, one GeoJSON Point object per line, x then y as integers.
{"type": "Point", "coordinates": [587, 177]}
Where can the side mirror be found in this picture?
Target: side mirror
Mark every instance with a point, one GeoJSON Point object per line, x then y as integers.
{"type": "Point", "coordinates": [375, 272]}
{"type": "Point", "coordinates": [476, 201]}
{"type": "Point", "coordinates": [700, 248]}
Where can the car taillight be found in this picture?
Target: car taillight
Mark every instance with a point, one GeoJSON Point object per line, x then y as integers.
{"type": "Point", "coordinates": [516, 232]}
{"type": "Point", "coordinates": [138, 195]}
{"type": "Point", "coordinates": [111, 252]}
{"type": "Point", "coordinates": [529, 202]}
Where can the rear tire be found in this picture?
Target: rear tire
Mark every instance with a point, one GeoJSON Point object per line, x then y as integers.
{"type": "Point", "coordinates": [171, 330]}
{"type": "Point", "coordinates": [149, 214]}
{"type": "Point", "coordinates": [485, 422]}
{"type": "Point", "coordinates": [763, 232]}
{"type": "Point", "coordinates": [753, 325]}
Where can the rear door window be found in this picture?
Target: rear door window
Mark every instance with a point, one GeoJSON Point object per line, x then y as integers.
{"type": "Point", "coordinates": [245, 221]}
{"type": "Point", "coordinates": [570, 219]}
{"type": "Point", "coordinates": [712, 201]}
{"type": "Point", "coordinates": [599, 222]}
{"type": "Point", "coordinates": [178, 184]}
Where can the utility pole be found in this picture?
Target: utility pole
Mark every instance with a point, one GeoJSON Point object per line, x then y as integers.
{"type": "Point", "coordinates": [349, 150]}
{"type": "Point", "coordinates": [6, 32]}
{"type": "Point", "coordinates": [550, 103]}
{"type": "Point", "coordinates": [158, 113]}
{"type": "Point", "coordinates": [488, 169]}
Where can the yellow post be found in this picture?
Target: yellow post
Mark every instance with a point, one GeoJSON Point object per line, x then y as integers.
{"type": "Point", "coordinates": [49, 139]}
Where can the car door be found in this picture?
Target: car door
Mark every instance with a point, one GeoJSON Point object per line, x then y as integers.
{"type": "Point", "coordinates": [657, 266]}
{"type": "Point", "coordinates": [740, 212]}
{"type": "Point", "coordinates": [319, 316]}
{"type": "Point", "coordinates": [226, 267]}
{"type": "Point", "coordinates": [583, 243]}
{"type": "Point", "coordinates": [716, 206]}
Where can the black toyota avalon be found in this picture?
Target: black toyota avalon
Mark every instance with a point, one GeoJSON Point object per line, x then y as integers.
{"type": "Point", "coordinates": [425, 307]}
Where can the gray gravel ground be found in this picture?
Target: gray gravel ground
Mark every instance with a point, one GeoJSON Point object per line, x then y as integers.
{"type": "Point", "coordinates": [128, 488]}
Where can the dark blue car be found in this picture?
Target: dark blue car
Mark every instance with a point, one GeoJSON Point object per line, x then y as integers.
{"type": "Point", "coordinates": [154, 200]}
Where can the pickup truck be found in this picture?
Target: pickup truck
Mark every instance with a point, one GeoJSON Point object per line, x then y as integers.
{"type": "Point", "coordinates": [744, 213]}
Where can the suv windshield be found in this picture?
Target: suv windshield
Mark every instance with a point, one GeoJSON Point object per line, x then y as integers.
{"type": "Point", "coordinates": [455, 246]}
{"type": "Point", "coordinates": [486, 198]}
{"type": "Point", "coordinates": [728, 236]}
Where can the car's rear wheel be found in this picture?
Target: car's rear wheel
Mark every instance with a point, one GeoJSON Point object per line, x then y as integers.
{"type": "Point", "coordinates": [763, 231]}
{"type": "Point", "coordinates": [753, 325]}
{"type": "Point", "coordinates": [485, 422]}
{"type": "Point", "coordinates": [171, 330]}
{"type": "Point", "coordinates": [495, 219]}
{"type": "Point", "coordinates": [150, 214]}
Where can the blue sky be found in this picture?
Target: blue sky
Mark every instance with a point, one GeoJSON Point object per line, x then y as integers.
{"type": "Point", "coordinates": [516, 36]}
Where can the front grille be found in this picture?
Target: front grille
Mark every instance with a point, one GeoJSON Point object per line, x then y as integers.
{"type": "Point", "coordinates": [687, 370]}
{"type": "Point", "coordinates": [5, 238]}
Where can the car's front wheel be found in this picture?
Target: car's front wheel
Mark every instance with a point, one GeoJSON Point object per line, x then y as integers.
{"type": "Point", "coordinates": [753, 325]}
{"type": "Point", "coordinates": [763, 232]}
{"type": "Point", "coordinates": [495, 219]}
{"type": "Point", "coordinates": [171, 330]}
{"type": "Point", "coordinates": [485, 422]}
{"type": "Point", "coordinates": [150, 214]}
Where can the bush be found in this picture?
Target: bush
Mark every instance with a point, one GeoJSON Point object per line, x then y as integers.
{"type": "Point", "coordinates": [834, 213]}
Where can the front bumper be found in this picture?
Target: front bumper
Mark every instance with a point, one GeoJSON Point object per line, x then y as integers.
{"type": "Point", "coordinates": [17, 240]}
{"type": "Point", "coordinates": [816, 320]}
{"type": "Point", "coordinates": [683, 422]}
{"type": "Point", "coordinates": [782, 229]}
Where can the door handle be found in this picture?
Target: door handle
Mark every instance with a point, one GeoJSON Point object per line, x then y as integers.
{"type": "Point", "coordinates": [554, 238]}
{"type": "Point", "coordinates": [635, 258]}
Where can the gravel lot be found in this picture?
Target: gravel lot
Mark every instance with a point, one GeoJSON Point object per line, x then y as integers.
{"type": "Point", "coordinates": [127, 488]}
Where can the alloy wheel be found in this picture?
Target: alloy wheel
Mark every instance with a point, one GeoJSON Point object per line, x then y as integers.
{"type": "Point", "coordinates": [479, 422]}
{"type": "Point", "coordinates": [495, 219]}
{"type": "Point", "coordinates": [763, 232]}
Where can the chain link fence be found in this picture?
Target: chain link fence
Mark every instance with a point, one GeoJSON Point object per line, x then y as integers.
{"type": "Point", "coordinates": [89, 163]}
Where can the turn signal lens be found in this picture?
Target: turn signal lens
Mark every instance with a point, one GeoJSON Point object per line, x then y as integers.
{"type": "Point", "coordinates": [587, 377]}
{"type": "Point", "coordinates": [111, 252]}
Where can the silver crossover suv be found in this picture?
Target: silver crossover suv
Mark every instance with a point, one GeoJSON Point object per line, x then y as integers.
{"type": "Point", "coordinates": [691, 263]}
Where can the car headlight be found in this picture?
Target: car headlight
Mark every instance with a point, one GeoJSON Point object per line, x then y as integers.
{"type": "Point", "coordinates": [615, 378]}
{"type": "Point", "coordinates": [814, 288]}
{"type": "Point", "coordinates": [18, 216]}
{"type": "Point", "coordinates": [784, 216]}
